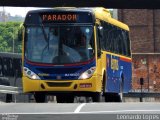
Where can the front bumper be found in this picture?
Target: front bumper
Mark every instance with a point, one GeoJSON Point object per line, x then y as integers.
{"type": "Point", "coordinates": [92, 84]}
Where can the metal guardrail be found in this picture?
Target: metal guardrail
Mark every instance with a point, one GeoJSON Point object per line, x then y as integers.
{"type": "Point", "coordinates": [10, 89]}
{"type": "Point", "coordinates": [10, 55]}
{"type": "Point", "coordinates": [10, 63]}
{"type": "Point", "coordinates": [10, 71]}
{"type": "Point", "coordinates": [143, 94]}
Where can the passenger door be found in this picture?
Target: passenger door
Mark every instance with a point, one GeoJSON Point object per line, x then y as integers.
{"type": "Point", "coordinates": [99, 56]}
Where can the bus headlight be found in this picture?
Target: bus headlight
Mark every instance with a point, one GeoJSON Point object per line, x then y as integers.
{"type": "Point", "coordinates": [30, 74]}
{"type": "Point", "coordinates": [88, 73]}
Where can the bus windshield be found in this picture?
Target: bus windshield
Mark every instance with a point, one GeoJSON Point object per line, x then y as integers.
{"type": "Point", "coordinates": [59, 44]}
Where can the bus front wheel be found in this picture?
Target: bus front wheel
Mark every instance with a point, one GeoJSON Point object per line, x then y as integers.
{"type": "Point", "coordinates": [97, 97]}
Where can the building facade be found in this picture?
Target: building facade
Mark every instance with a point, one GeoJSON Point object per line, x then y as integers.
{"type": "Point", "coordinates": [145, 44]}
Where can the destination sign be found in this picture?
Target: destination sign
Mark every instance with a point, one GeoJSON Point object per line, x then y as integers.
{"type": "Point", "coordinates": [59, 17]}
{"type": "Point", "coordinates": [66, 17]}
{"type": "Point", "coordinates": [54, 17]}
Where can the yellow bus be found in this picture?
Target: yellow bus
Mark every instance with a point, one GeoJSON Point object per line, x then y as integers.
{"type": "Point", "coordinates": [72, 52]}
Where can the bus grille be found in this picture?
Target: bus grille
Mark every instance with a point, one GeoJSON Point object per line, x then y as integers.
{"type": "Point", "coordinates": [60, 84]}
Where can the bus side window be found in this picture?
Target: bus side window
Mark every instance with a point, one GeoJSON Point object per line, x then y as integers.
{"type": "Point", "coordinates": [124, 42]}
{"type": "Point", "coordinates": [121, 45]}
{"type": "Point", "coordinates": [103, 40]}
{"type": "Point", "coordinates": [113, 40]}
{"type": "Point", "coordinates": [116, 40]}
{"type": "Point", "coordinates": [109, 45]}
{"type": "Point", "coordinates": [108, 35]}
{"type": "Point", "coordinates": [128, 44]}
{"type": "Point", "coordinates": [119, 40]}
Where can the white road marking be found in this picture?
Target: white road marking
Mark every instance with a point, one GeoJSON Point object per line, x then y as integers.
{"type": "Point", "coordinates": [49, 113]}
{"type": "Point", "coordinates": [77, 110]}
{"type": "Point", "coordinates": [120, 111]}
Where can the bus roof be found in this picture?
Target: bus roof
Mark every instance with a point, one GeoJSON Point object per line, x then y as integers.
{"type": "Point", "coordinates": [104, 14]}
{"type": "Point", "coordinates": [99, 12]}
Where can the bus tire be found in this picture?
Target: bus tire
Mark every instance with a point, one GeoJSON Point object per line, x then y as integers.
{"type": "Point", "coordinates": [40, 97]}
{"type": "Point", "coordinates": [112, 97]}
{"type": "Point", "coordinates": [104, 87]}
{"type": "Point", "coordinates": [117, 98]}
{"type": "Point", "coordinates": [108, 97]}
{"type": "Point", "coordinates": [97, 97]}
{"type": "Point", "coordinates": [121, 89]}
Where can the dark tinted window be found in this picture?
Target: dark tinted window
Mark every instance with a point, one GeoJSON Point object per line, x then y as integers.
{"type": "Point", "coordinates": [128, 44]}
{"type": "Point", "coordinates": [115, 39]}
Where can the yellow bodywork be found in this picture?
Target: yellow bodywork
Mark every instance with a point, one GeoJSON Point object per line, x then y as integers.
{"type": "Point", "coordinates": [34, 85]}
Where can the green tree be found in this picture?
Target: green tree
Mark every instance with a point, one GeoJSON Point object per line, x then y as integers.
{"type": "Point", "coordinates": [9, 37]}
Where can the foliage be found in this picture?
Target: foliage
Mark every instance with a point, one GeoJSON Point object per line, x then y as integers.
{"type": "Point", "coordinates": [9, 36]}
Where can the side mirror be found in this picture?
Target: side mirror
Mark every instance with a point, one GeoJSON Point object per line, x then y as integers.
{"type": "Point", "coordinates": [100, 31]}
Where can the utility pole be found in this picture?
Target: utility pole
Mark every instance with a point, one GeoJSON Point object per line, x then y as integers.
{"type": "Point", "coordinates": [3, 15]}
{"type": "Point", "coordinates": [13, 41]}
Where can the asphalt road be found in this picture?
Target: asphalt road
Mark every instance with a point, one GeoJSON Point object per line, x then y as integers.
{"type": "Point", "coordinates": [80, 111]}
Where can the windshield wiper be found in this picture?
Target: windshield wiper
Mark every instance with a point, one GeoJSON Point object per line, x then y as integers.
{"type": "Point", "coordinates": [45, 35]}
{"type": "Point", "coordinates": [46, 39]}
